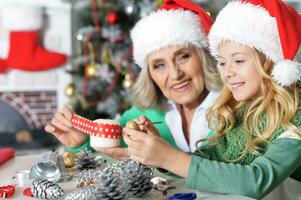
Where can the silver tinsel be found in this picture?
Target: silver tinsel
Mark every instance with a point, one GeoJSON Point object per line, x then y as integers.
{"type": "Point", "coordinates": [44, 189]}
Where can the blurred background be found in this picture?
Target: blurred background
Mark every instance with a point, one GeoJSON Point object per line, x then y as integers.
{"type": "Point", "coordinates": [94, 80]}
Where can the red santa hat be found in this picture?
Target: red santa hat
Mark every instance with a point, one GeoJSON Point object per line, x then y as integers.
{"type": "Point", "coordinates": [177, 22]}
{"type": "Point", "coordinates": [270, 26]}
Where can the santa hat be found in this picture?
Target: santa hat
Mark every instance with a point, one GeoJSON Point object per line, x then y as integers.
{"type": "Point", "coordinates": [270, 26]}
{"type": "Point", "coordinates": [177, 22]}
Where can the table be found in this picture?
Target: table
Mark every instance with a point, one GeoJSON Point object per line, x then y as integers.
{"type": "Point", "coordinates": [8, 170]}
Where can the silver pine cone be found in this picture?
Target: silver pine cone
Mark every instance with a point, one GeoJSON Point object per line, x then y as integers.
{"type": "Point", "coordinates": [44, 189]}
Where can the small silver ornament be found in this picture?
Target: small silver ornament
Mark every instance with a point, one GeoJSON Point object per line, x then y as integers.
{"type": "Point", "coordinates": [47, 168]}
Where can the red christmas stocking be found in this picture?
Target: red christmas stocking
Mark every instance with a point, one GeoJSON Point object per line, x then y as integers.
{"type": "Point", "coordinates": [2, 66]}
{"type": "Point", "coordinates": [25, 52]}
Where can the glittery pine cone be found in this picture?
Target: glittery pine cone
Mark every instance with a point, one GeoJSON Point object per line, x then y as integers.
{"type": "Point", "coordinates": [108, 185]}
{"type": "Point", "coordinates": [136, 178]}
{"type": "Point", "coordinates": [85, 193]}
{"type": "Point", "coordinates": [44, 189]}
{"type": "Point", "coordinates": [86, 160]}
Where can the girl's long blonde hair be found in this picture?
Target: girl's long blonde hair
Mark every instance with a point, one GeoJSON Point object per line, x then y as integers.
{"type": "Point", "coordinates": [279, 104]}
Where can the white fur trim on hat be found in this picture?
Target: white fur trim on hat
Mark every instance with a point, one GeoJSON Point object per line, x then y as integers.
{"type": "Point", "coordinates": [247, 24]}
{"type": "Point", "coordinates": [164, 28]}
{"type": "Point", "coordinates": [251, 25]}
{"type": "Point", "coordinates": [287, 72]}
{"type": "Point", "coordinates": [21, 18]}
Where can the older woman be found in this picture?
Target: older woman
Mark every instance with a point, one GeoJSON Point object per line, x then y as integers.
{"type": "Point", "coordinates": [177, 76]}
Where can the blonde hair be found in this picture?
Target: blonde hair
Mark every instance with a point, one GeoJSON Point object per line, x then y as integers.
{"type": "Point", "coordinates": [148, 95]}
{"type": "Point", "coordinates": [278, 103]}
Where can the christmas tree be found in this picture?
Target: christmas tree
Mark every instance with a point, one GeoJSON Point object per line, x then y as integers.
{"type": "Point", "coordinates": [103, 70]}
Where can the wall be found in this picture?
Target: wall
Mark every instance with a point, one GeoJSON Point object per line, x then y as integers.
{"type": "Point", "coordinates": [38, 95]}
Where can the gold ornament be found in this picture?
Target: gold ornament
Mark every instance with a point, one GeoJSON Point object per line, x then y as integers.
{"type": "Point", "coordinates": [91, 70]}
{"type": "Point", "coordinates": [132, 125]}
{"type": "Point", "coordinates": [127, 82]}
{"type": "Point", "coordinates": [70, 89]}
{"type": "Point", "coordinates": [69, 159]}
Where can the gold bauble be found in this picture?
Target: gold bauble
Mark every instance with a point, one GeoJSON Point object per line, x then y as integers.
{"type": "Point", "coordinates": [127, 82]}
{"type": "Point", "coordinates": [69, 159]}
{"type": "Point", "coordinates": [91, 70]}
{"type": "Point", "coordinates": [70, 89]}
{"type": "Point", "coordinates": [132, 125]}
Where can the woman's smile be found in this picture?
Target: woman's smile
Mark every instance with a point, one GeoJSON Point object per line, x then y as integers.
{"type": "Point", "coordinates": [181, 86]}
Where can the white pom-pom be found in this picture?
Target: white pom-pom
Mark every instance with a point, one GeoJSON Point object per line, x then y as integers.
{"type": "Point", "coordinates": [287, 72]}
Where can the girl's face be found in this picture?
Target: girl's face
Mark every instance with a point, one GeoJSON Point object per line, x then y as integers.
{"type": "Point", "coordinates": [238, 71]}
{"type": "Point", "coordinates": [177, 71]}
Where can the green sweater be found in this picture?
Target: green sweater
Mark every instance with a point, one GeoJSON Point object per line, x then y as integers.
{"type": "Point", "coordinates": [253, 176]}
{"type": "Point", "coordinates": [132, 113]}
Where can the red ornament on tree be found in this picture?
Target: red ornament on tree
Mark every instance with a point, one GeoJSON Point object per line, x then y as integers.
{"type": "Point", "coordinates": [112, 18]}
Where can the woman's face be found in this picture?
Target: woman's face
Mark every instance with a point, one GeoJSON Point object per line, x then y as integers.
{"type": "Point", "coordinates": [238, 71]}
{"type": "Point", "coordinates": [177, 71]}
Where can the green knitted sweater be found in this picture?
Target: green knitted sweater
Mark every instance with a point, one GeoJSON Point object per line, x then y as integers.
{"type": "Point", "coordinates": [251, 175]}
{"type": "Point", "coordinates": [231, 145]}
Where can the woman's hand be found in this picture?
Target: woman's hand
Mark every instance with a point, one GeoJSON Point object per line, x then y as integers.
{"type": "Point", "coordinates": [145, 125]}
{"type": "Point", "coordinates": [61, 128]}
{"type": "Point", "coordinates": [118, 153]}
{"type": "Point", "coordinates": [150, 149]}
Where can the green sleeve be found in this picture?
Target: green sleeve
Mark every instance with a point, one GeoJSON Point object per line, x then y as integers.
{"type": "Point", "coordinates": [86, 145]}
{"type": "Point", "coordinates": [152, 114]}
{"type": "Point", "coordinates": [255, 180]}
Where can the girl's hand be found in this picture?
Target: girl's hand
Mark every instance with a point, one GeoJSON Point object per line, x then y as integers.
{"type": "Point", "coordinates": [149, 149]}
{"type": "Point", "coordinates": [61, 128]}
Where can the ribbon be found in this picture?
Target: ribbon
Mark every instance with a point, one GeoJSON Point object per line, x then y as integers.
{"type": "Point", "coordinates": [97, 129]}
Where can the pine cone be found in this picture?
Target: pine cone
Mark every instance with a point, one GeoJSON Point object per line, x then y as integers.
{"type": "Point", "coordinates": [85, 193]}
{"type": "Point", "coordinates": [108, 185]}
{"type": "Point", "coordinates": [136, 178]}
{"type": "Point", "coordinates": [86, 160]}
{"type": "Point", "coordinates": [46, 189]}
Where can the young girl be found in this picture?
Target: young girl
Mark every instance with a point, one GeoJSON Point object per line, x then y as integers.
{"type": "Point", "coordinates": [257, 117]}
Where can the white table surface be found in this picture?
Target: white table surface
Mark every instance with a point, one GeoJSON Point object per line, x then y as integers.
{"type": "Point", "coordinates": [8, 170]}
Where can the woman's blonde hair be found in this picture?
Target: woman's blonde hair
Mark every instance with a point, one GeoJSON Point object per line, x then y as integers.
{"type": "Point", "coordinates": [147, 94]}
{"type": "Point", "coordinates": [279, 105]}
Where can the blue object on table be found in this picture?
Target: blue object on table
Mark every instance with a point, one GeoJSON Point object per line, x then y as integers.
{"type": "Point", "coordinates": [183, 196]}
